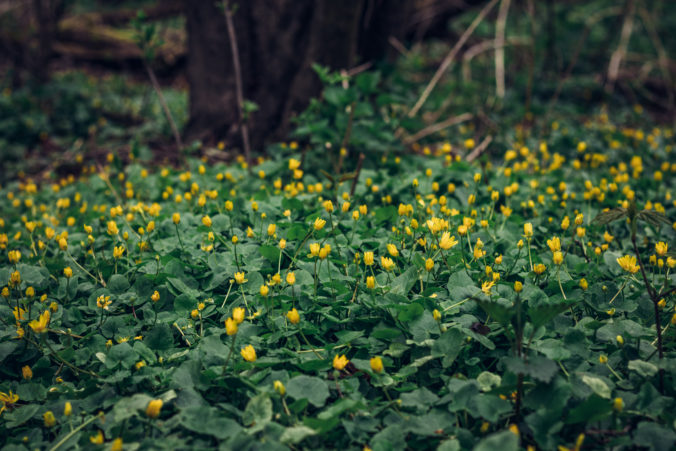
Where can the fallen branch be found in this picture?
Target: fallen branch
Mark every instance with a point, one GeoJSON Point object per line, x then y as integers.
{"type": "Point", "coordinates": [450, 57]}
{"type": "Point", "coordinates": [434, 128]}
{"type": "Point", "coordinates": [500, 49]}
{"type": "Point", "coordinates": [479, 150]}
{"type": "Point", "coordinates": [621, 51]}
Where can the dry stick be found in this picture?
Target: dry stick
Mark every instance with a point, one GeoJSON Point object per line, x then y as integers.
{"type": "Point", "coordinates": [500, 49]}
{"type": "Point", "coordinates": [356, 173]}
{"type": "Point", "coordinates": [531, 55]}
{"type": "Point", "coordinates": [163, 103]}
{"type": "Point", "coordinates": [621, 51]}
{"type": "Point", "coordinates": [238, 82]}
{"type": "Point", "coordinates": [396, 43]}
{"type": "Point", "coordinates": [450, 57]}
{"type": "Point", "coordinates": [481, 47]}
{"type": "Point", "coordinates": [476, 153]}
{"type": "Point", "coordinates": [434, 128]}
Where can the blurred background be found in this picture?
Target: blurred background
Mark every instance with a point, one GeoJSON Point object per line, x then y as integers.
{"type": "Point", "coordinates": [161, 80]}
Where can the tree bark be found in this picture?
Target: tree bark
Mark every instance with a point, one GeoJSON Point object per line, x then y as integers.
{"type": "Point", "coordinates": [278, 41]}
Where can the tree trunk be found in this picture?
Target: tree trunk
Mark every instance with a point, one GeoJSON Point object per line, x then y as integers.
{"type": "Point", "coordinates": [278, 41]}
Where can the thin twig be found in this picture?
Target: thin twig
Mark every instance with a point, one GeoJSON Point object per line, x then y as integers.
{"type": "Point", "coordinates": [356, 173]}
{"type": "Point", "coordinates": [476, 153]}
{"type": "Point", "coordinates": [238, 82]}
{"type": "Point", "coordinates": [434, 128]}
{"type": "Point", "coordinates": [165, 107]}
{"type": "Point", "coordinates": [621, 51]}
{"type": "Point", "coordinates": [449, 58]}
{"type": "Point", "coordinates": [500, 49]}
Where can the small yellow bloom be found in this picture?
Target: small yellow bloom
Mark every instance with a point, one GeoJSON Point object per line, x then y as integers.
{"type": "Point", "coordinates": [272, 228]}
{"type": "Point", "coordinates": [68, 272]}
{"type": "Point", "coordinates": [368, 258]}
{"type": "Point", "coordinates": [279, 387]}
{"type": "Point", "coordinates": [370, 282]}
{"type": "Point", "coordinates": [249, 353]}
{"type": "Point", "coordinates": [618, 404]}
{"type": "Point", "coordinates": [628, 263]}
{"type": "Point", "coordinates": [238, 315]}
{"type": "Point", "coordinates": [319, 224]}
{"type": "Point", "coordinates": [584, 284]}
{"type": "Point", "coordinates": [67, 409]}
{"type": "Point", "coordinates": [97, 439]}
{"type": "Point", "coordinates": [206, 221]}
{"type": "Point", "coordinates": [661, 248]}
{"type": "Point", "coordinates": [118, 251]}
{"type": "Point", "coordinates": [392, 250]}
{"type": "Point", "coordinates": [387, 263]}
{"type": "Point", "coordinates": [429, 264]}
{"type": "Point", "coordinates": [239, 277]}
{"type": "Point", "coordinates": [176, 218]}
{"type": "Point", "coordinates": [603, 359]}
{"type": "Point", "coordinates": [26, 372]}
{"type": "Point", "coordinates": [112, 228]}
{"type": "Point", "coordinates": [518, 286]}
{"type": "Point", "coordinates": [117, 445]}
{"type": "Point", "coordinates": [264, 290]}
{"type": "Point", "coordinates": [339, 362]}
{"type": "Point", "coordinates": [528, 230]}
{"type": "Point", "coordinates": [447, 241]}
{"type": "Point", "coordinates": [557, 258]}
{"type": "Point", "coordinates": [39, 326]}
{"type": "Point", "coordinates": [377, 364]}
{"type": "Point", "coordinates": [539, 268]}
{"type": "Point", "coordinates": [154, 407]}
{"type": "Point", "coordinates": [291, 278]}
{"type": "Point", "coordinates": [436, 314]}
{"type": "Point", "coordinates": [49, 419]}
{"type": "Point", "coordinates": [293, 316]}
{"type": "Point", "coordinates": [155, 296]}
{"type": "Point", "coordinates": [554, 244]}
{"type": "Point", "coordinates": [486, 287]}
{"type": "Point", "coordinates": [230, 326]}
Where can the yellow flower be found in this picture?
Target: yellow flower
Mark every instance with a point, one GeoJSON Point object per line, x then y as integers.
{"type": "Point", "coordinates": [486, 287]}
{"type": "Point", "coordinates": [386, 263]}
{"type": "Point", "coordinates": [528, 230]}
{"type": "Point", "coordinates": [249, 353]}
{"type": "Point", "coordinates": [324, 251]}
{"type": "Point", "coordinates": [176, 218]}
{"type": "Point", "coordinates": [293, 164]}
{"type": "Point", "coordinates": [661, 248]}
{"type": "Point", "coordinates": [339, 362]}
{"type": "Point", "coordinates": [30, 292]}
{"type": "Point", "coordinates": [26, 372]}
{"type": "Point", "coordinates": [239, 278]}
{"type": "Point", "coordinates": [291, 278]}
{"type": "Point", "coordinates": [554, 244]}
{"type": "Point", "coordinates": [436, 314]}
{"type": "Point", "coordinates": [293, 316]}
{"type": "Point", "coordinates": [628, 263]}
{"type": "Point", "coordinates": [603, 359]}
{"type": "Point", "coordinates": [447, 241]}
{"type": "Point", "coordinates": [319, 224]}
{"type": "Point", "coordinates": [230, 326]}
{"type": "Point", "coordinates": [279, 387]}
{"type": "Point", "coordinates": [557, 258]}
{"type": "Point", "coordinates": [14, 256]}
{"type": "Point", "coordinates": [579, 219]}
{"type": "Point", "coordinates": [620, 340]}
{"type": "Point", "coordinates": [68, 272]}
{"type": "Point", "coordinates": [49, 419]}
{"type": "Point", "coordinates": [154, 407]}
{"type": "Point", "coordinates": [272, 228]}
{"type": "Point", "coordinates": [518, 286]}
{"type": "Point", "coordinates": [368, 258]}
{"type": "Point", "coordinates": [314, 249]}
{"type": "Point", "coordinates": [328, 206]}
{"type": "Point", "coordinates": [565, 223]}
{"type": "Point", "coordinates": [392, 250]}
{"type": "Point", "coordinates": [155, 296]}
{"type": "Point", "coordinates": [238, 315]}
{"type": "Point", "coordinates": [618, 404]}
{"type": "Point", "coordinates": [97, 439]}
{"type": "Point", "coordinates": [514, 429]}
{"type": "Point", "coordinates": [429, 264]}
{"type": "Point", "coordinates": [15, 278]}
{"type": "Point", "coordinates": [103, 302]}
{"type": "Point", "coordinates": [539, 268]}
{"type": "Point", "coordinates": [377, 364]}
{"type": "Point", "coordinates": [116, 445]}
{"type": "Point", "coordinates": [264, 290]}
{"type": "Point", "coordinates": [39, 326]}
{"type": "Point", "coordinates": [67, 409]}
{"type": "Point", "coordinates": [118, 251]}
{"type": "Point", "coordinates": [206, 221]}
{"type": "Point", "coordinates": [584, 284]}
{"type": "Point", "coordinates": [370, 282]}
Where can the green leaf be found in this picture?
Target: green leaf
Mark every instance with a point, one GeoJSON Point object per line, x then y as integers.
{"type": "Point", "coordinates": [538, 367]}
{"type": "Point", "coordinates": [271, 253]}
{"type": "Point", "coordinates": [258, 410]}
{"type": "Point", "coordinates": [311, 388]}
{"type": "Point", "coordinates": [591, 409]}
{"type": "Point", "coordinates": [160, 337]}
{"type": "Point", "coordinates": [20, 415]}
{"type": "Point", "coordinates": [609, 216]}
{"type": "Point", "coordinates": [404, 282]}
{"type": "Point", "coordinates": [296, 434]}
{"type": "Point", "coordinates": [645, 369]}
{"type": "Point", "coordinates": [488, 380]}
{"type": "Point", "coordinates": [504, 441]}
{"type": "Point", "coordinates": [597, 385]}
{"type": "Point", "coordinates": [409, 312]}
{"type": "Point", "coordinates": [118, 284]}
{"type": "Point", "coordinates": [208, 421]}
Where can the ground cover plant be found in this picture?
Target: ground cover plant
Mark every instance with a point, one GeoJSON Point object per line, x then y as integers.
{"type": "Point", "coordinates": [427, 303]}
